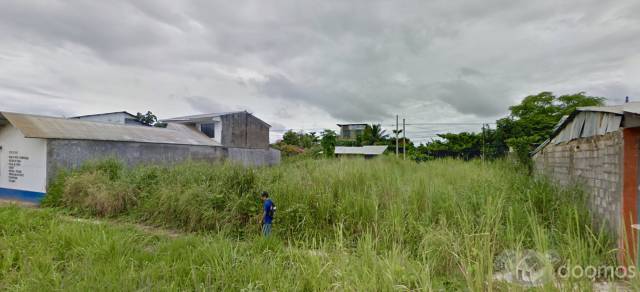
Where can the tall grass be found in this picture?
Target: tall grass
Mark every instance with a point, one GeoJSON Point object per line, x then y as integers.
{"type": "Point", "coordinates": [341, 224]}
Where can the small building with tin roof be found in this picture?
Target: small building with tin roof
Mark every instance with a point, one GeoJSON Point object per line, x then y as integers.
{"type": "Point", "coordinates": [363, 151]}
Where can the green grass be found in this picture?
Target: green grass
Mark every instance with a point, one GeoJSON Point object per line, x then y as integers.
{"type": "Point", "coordinates": [341, 225]}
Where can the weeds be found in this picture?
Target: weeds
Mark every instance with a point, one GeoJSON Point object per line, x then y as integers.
{"type": "Point", "coordinates": [341, 225]}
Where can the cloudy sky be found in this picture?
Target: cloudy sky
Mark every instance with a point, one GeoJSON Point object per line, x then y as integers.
{"type": "Point", "coordinates": [310, 64]}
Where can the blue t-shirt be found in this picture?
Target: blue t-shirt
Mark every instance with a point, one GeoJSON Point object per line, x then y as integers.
{"type": "Point", "coordinates": [267, 215]}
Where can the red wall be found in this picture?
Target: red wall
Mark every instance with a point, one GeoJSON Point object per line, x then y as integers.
{"type": "Point", "coordinates": [628, 245]}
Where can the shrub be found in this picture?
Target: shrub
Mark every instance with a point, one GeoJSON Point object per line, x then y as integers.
{"type": "Point", "coordinates": [96, 194]}
{"type": "Point", "coordinates": [55, 191]}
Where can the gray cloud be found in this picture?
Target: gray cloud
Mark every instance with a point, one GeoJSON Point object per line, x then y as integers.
{"type": "Point", "coordinates": [470, 98]}
{"type": "Point", "coordinates": [201, 104]}
{"type": "Point", "coordinates": [321, 61]}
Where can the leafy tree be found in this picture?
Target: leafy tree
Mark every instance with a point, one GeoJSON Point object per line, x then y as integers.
{"type": "Point", "coordinates": [537, 115]}
{"type": "Point", "coordinates": [533, 120]}
{"type": "Point", "coordinates": [308, 140]}
{"type": "Point", "coordinates": [529, 123]}
{"type": "Point", "coordinates": [314, 138]}
{"type": "Point", "coordinates": [462, 145]}
{"type": "Point", "coordinates": [291, 138]}
{"type": "Point", "coordinates": [328, 142]}
{"type": "Point", "coordinates": [150, 119]}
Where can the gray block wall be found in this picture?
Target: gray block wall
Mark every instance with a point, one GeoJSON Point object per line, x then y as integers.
{"type": "Point", "coordinates": [243, 130]}
{"type": "Point", "coordinates": [70, 154]}
{"type": "Point", "coordinates": [594, 163]}
{"type": "Point", "coordinates": [251, 157]}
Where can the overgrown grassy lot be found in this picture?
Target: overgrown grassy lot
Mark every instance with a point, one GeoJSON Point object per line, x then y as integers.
{"type": "Point", "coordinates": [341, 225]}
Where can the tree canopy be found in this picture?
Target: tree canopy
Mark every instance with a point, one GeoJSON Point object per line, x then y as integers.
{"type": "Point", "coordinates": [529, 123]}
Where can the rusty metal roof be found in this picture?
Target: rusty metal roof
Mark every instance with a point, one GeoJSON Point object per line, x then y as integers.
{"type": "Point", "coordinates": [33, 126]}
{"type": "Point", "coordinates": [590, 121]}
{"type": "Point", "coordinates": [629, 107]}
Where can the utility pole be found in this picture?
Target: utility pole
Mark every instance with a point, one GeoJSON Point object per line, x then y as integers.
{"type": "Point", "coordinates": [483, 152]}
{"type": "Point", "coordinates": [397, 148]}
{"type": "Point", "coordinates": [404, 141]}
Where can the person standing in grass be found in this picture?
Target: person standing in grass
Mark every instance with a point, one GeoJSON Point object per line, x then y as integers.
{"type": "Point", "coordinates": [268, 208]}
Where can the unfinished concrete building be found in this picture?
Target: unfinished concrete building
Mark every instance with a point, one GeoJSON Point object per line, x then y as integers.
{"type": "Point", "coordinates": [597, 148]}
{"type": "Point", "coordinates": [34, 148]}
{"type": "Point", "coordinates": [231, 129]}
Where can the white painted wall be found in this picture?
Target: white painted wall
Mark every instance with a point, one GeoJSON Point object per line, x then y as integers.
{"type": "Point", "coordinates": [218, 129]}
{"type": "Point", "coordinates": [23, 161]}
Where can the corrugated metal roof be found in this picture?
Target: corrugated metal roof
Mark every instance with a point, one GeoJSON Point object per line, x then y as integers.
{"type": "Point", "coordinates": [590, 121]}
{"type": "Point", "coordinates": [33, 126]}
{"type": "Point", "coordinates": [364, 150]}
{"type": "Point", "coordinates": [629, 107]}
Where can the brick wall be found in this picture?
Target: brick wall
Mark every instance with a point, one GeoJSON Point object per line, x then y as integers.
{"type": "Point", "coordinates": [596, 164]}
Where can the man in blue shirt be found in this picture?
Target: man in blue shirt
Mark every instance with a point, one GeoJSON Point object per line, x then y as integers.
{"type": "Point", "coordinates": [268, 209]}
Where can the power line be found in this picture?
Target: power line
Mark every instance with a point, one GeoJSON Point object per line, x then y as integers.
{"type": "Point", "coordinates": [444, 124]}
{"type": "Point", "coordinates": [392, 125]}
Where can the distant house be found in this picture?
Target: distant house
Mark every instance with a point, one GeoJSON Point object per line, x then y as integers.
{"type": "Point", "coordinates": [364, 151]}
{"type": "Point", "coordinates": [120, 118]}
{"type": "Point", "coordinates": [599, 148]}
{"type": "Point", "coordinates": [34, 148]}
{"type": "Point", "coordinates": [351, 131]}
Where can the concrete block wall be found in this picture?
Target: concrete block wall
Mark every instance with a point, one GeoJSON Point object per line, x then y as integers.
{"type": "Point", "coordinates": [243, 130]}
{"type": "Point", "coordinates": [70, 154]}
{"type": "Point", "coordinates": [596, 164]}
{"type": "Point", "coordinates": [252, 157]}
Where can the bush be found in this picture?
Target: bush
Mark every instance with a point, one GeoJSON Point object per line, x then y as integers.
{"type": "Point", "coordinates": [55, 191]}
{"type": "Point", "coordinates": [96, 194]}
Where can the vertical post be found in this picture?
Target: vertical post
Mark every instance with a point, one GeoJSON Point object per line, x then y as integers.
{"type": "Point", "coordinates": [483, 143]}
{"type": "Point", "coordinates": [397, 148]}
{"type": "Point", "coordinates": [628, 241]}
{"type": "Point", "coordinates": [404, 141]}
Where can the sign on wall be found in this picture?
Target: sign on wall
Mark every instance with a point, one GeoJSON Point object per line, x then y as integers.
{"type": "Point", "coordinates": [22, 165]}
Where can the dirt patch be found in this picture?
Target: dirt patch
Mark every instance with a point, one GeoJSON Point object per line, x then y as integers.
{"type": "Point", "coordinates": [152, 230]}
{"type": "Point", "coordinates": [5, 202]}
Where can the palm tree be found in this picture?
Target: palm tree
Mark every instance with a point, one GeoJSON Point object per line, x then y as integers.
{"type": "Point", "coordinates": [377, 133]}
{"type": "Point", "coordinates": [373, 133]}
